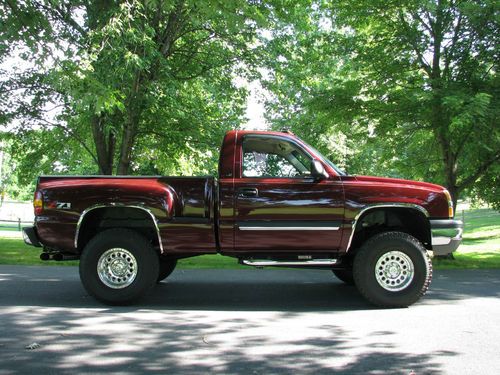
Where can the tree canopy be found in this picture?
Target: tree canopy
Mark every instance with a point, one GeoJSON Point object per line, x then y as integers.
{"type": "Point", "coordinates": [136, 85]}
{"type": "Point", "coordinates": [403, 88]}
{"type": "Point", "coordinates": [410, 87]}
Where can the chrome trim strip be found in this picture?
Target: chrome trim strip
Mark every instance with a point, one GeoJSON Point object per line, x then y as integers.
{"type": "Point", "coordinates": [91, 208]}
{"type": "Point", "coordinates": [269, 263]}
{"type": "Point", "coordinates": [382, 205]}
{"type": "Point", "coordinates": [288, 228]}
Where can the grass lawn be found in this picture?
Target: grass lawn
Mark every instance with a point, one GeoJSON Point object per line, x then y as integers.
{"type": "Point", "coordinates": [15, 251]}
{"type": "Point", "coordinates": [480, 247]}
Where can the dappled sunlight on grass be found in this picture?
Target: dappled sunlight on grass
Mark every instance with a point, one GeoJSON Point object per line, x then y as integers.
{"type": "Point", "coordinates": [474, 260]}
{"type": "Point", "coordinates": [490, 231]}
{"type": "Point", "coordinates": [481, 220]}
{"type": "Point", "coordinates": [481, 233]}
{"type": "Point", "coordinates": [10, 233]}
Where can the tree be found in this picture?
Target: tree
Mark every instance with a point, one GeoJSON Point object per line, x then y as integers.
{"type": "Point", "coordinates": [117, 77]}
{"type": "Point", "coordinates": [417, 78]}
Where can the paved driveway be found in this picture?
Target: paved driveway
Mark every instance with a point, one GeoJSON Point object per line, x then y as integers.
{"type": "Point", "coordinates": [248, 322]}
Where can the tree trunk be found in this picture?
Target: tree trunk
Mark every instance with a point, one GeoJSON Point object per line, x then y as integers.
{"type": "Point", "coordinates": [439, 121]}
{"type": "Point", "coordinates": [440, 127]}
{"type": "Point", "coordinates": [133, 115]}
{"type": "Point", "coordinates": [128, 139]}
{"type": "Point", "coordinates": [104, 144]}
{"type": "Point", "coordinates": [454, 196]}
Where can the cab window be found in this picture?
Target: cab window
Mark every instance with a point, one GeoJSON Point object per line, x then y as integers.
{"type": "Point", "coordinates": [274, 157]}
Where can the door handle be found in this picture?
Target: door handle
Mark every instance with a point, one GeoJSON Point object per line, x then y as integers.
{"type": "Point", "coordinates": [248, 193]}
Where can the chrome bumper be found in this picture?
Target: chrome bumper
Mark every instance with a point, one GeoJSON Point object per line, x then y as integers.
{"type": "Point", "coordinates": [446, 235]}
{"type": "Point", "coordinates": [30, 237]}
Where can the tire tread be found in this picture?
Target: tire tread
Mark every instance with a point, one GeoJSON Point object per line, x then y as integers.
{"type": "Point", "coordinates": [362, 254]}
{"type": "Point", "coordinates": [129, 294]}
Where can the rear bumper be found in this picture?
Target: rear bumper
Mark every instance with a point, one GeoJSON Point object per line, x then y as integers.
{"type": "Point", "coordinates": [30, 237]}
{"type": "Point", "coordinates": [446, 235]}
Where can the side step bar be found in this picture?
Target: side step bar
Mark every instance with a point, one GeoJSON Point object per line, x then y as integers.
{"type": "Point", "coordinates": [289, 263]}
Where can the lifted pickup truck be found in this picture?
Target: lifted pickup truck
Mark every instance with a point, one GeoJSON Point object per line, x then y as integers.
{"type": "Point", "coordinates": [277, 202]}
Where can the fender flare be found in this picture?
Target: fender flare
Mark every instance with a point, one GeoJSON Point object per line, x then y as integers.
{"type": "Point", "coordinates": [116, 205]}
{"type": "Point", "coordinates": [415, 207]}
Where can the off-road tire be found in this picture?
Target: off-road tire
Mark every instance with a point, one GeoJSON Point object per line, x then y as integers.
{"type": "Point", "coordinates": [345, 275]}
{"type": "Point", "coordinates": [167, 266]}
{"type": "Point", "coordinates": [373, 251]}
{"type": "Point", "coordinates": [147, 266]}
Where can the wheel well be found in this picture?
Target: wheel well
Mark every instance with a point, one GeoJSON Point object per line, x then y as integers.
{"type": "Point", "coordinates": [101, 219]}
{"type": "Point", "coordinates": [378, 220]}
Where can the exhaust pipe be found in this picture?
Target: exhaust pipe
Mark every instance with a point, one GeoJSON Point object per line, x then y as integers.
{"type": "Point", "coordinates": [58, 256]}
{"type": "Point", "coordinates": [44, 256]}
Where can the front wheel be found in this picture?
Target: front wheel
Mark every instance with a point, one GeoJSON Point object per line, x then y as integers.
{"type": "Point", "coordinates": [392, 269]}
{"type": "Point", "coordinates": [118, 266]}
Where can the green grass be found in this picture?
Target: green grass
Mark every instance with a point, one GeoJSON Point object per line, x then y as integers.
{"type": "Point", "coordinates": [15, 251]}
{"type": "Point", "coordinates": [209, 261]}
{"type": "Point", "coordinates": [9, 227]}
{"type": "Point", "coordinates": [479, 249]}
{"type": "Point", "coordinates": [470, 261]}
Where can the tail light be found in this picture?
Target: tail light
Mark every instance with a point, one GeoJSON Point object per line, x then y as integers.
{"type": "Point", "coordinates": [38, 203]}
{"type": "Point", "coordinates": [450, 203]}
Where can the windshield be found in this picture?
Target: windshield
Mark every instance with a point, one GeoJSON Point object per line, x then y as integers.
{"type": "Point", "coordinates": [325, 159]}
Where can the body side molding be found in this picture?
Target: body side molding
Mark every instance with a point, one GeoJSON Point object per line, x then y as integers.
{"type": "Point", "coordinates": [290, 225]}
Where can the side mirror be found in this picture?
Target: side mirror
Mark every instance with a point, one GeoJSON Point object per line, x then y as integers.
{"type": "Point", "coordinates": [317, 170]}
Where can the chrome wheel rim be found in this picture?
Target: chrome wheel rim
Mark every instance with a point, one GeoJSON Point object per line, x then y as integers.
{"type": "Point", "coordinates": [117, 268]}
{"type": "Point", "coordinates": [394, 271]}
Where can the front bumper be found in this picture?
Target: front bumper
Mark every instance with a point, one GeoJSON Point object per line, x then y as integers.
{"type": "Point", "coordinates": [446, 235]}
{"type": "Point", "coordinates": [30, 237]}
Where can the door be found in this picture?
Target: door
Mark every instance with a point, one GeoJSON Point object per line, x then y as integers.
{"type": "Point", "coordinates": [279, 206]}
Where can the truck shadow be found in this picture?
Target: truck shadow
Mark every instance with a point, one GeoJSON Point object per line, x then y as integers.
{"type": "Point", "coordinates": [233, 290]}
{"type": "Point", "coordinates": [256, 295]}
{"type": "Point", "coordinates": [236, 290]}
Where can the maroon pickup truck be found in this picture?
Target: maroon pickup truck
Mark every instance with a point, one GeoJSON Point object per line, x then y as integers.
{"type": "Point", "coordinates": [277, 202]}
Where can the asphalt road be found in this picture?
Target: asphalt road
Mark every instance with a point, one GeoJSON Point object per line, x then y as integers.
{"type": "Point", "coordinates": [247, 322]}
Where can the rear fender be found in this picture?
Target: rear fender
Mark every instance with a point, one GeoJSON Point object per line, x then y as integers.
{"type": "Point", "coordinates": [84, 214]}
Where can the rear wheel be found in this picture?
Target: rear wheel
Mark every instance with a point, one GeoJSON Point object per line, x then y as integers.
{"type": "Point", "coordinates": [392, 269]}
{"type": "Point", "coordinates": [167, 266]}
{"type": "Point", "coordinates": [118, 266]}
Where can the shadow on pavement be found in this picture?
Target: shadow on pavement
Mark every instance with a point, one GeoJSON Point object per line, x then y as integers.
{"type": "Point", "coordinates": [230, 290]}
{"type": "Point", "coordinates": [209, 321]}
{"type": "Point", "coordinates": [454, 285]}
{"type": "Point", "coordinates": [89, 341]}
{"type": "Point", "coordinates": [218, 290]}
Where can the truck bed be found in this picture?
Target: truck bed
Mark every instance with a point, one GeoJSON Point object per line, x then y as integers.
{"type": "Point", "coordinates": [183, 207]}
